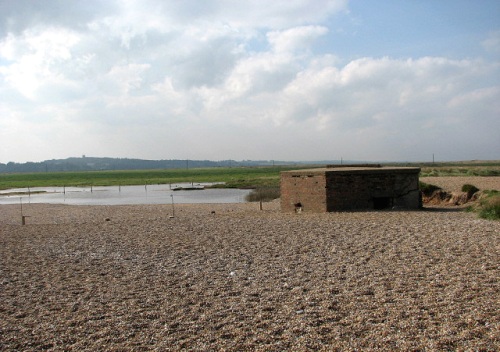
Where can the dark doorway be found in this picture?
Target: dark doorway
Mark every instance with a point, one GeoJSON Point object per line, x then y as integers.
{"type": "Point", "coordinates": [382, 203]}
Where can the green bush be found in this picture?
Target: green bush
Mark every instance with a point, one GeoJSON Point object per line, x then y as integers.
{"type": "Point", "coordinates": [490, 207]}
{"type": "Point", "coordinates": [470, 209]}
{"type": "Point", "coordinates": [263, 194]}
{"type": "Point", "coordinates": [470, 189]}
{"type": "Point", "coordinates": [428, 189]}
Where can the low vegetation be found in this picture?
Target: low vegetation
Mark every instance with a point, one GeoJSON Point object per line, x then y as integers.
{"type": "Point", "coordinates": [469, 189]}
{"type": "Point", "coordinates": [485, 203]}
{"type": "Point", "coordinates": [459, 172]}
{"type": "Point", "coordinates": [489, 206]}
{"type": "Point", "coordinates": [428, 189]}
{"type": "Point", "coordinates": [457, 168]}
{"type": "Point", "coordinates": [492, 169]}
{"type": "Point", "coordinates": [233, 177]}
{"type": "Point", "coordinates": [263, 180]}
{"type": "Point", "coordinates": [237, 177]}
{"type": "Point", "coordinates": [263, 194]}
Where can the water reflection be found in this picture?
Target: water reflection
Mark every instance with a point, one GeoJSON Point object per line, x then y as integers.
{"type": "Point", "coordinates": [120, 195]}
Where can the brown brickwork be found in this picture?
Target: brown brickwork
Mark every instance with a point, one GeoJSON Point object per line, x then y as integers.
{"type": "Point", "coordinates": [350, 188]}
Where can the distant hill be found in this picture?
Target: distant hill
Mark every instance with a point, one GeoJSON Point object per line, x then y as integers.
{"type": "Point", "coordinates": [97, 164]}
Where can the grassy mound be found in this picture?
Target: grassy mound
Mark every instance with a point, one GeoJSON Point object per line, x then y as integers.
{"type": "Point", "coordinates": [469, 189]}
{"type": "Point", "coordinates": [489, 206]}
{"type": "Point", "coordinates": [428, 189]}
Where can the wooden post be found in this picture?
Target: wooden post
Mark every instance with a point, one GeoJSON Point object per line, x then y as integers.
{"type": "Point", "coordinates": [23, 217]}
{"type": "Point", "coordinates": [173, 208]}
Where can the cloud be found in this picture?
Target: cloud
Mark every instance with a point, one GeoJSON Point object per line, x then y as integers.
{"type": "Point", "coordinates": [20, 15]}
{"type": "Point", "coordinates": [34, 58]}
{"type": "Point", "coordinates": [279, 14]}
{"type": "Point", "coordinates": [401, 104]}
{"type": "Point", "coordinates": [295, 38]}
{"type": "Point", "coordinates": [217, 80]}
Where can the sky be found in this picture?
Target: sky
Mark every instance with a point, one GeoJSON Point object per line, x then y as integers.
{"type": "Point", "coordinates": [292, 80]}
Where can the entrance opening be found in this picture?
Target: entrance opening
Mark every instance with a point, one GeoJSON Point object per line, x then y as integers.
{"type": "Point", "coordinates": [298, 207]}
{"type": "Point", "coordinates": [382, 203]}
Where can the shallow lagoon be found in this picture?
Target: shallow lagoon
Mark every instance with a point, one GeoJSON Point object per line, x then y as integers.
{"type": "Point", "coordinates": [122, 195]}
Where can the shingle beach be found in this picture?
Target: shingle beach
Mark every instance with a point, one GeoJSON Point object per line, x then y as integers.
{"type": "Point", "coordinates": [231, 277]}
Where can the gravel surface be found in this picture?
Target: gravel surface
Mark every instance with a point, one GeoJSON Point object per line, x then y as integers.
{"type": "Point", "coordinates": [231, 277]}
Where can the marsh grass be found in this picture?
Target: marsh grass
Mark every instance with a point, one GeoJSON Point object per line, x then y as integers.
{"type": "Point", "coordinates": [489, 207]}
{"type": "Point", "coordinates": [457, 168]}
{"type": "Point", "coordinates": [263, 194]}
{"type": "Point", "coordinates": [238, 177]}
{"type": "Point", "coordinates": [492, 170]}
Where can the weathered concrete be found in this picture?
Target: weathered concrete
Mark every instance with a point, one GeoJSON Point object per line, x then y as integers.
{"type": "Point", "coordinates": [350, 188]}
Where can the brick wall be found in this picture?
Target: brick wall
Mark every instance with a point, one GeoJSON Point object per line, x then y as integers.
{"type": "Point", "coordinates": [306, 189]}
{"type": "Point", "coordinates": [320, 190]}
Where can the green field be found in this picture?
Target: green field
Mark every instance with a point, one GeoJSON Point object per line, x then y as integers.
{"type": "Point", "coordinates": [251, 177]}
{"type": "Point", "coordinates": [235, 177]}
{"type": "Point", "coordinates": [457, 168]}
{"type": "Point", "coordinates": [460, 171]}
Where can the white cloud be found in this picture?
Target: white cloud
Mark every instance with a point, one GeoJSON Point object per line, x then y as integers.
{"type": "Point", "coordinates": [124, 80]}
{"type": "Point", "coordinates": [396, 103]}
{"type": "Point", "coordinates": [295, 38]}
{"type": "Point", "coordinates": [225, 79]}
{"type": "Point", "coordinates": [279, 14]}
{"type": "Point", "coordinates": [33, 59]}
